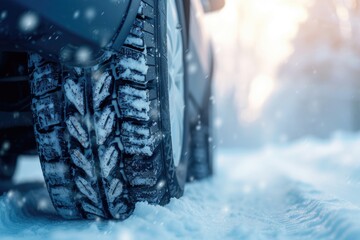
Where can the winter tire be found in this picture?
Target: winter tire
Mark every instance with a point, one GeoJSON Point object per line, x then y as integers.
{"type": "Point", "coordinates": [105, 132]}
{"type": "Point", "coordinates": [202, 145]}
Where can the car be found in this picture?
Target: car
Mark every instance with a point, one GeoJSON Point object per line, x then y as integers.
{"type": "Point", "coordinates": [114, 96]}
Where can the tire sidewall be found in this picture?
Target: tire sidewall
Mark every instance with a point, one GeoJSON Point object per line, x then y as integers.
{"type": "Point", "coordinates": [176, 175]}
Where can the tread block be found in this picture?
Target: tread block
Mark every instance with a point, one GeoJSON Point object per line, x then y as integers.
{"type": "Point", "coordinates": [150, 61]}
{"type": "Point", "coordinates": [130, 129]}
{"type": "Point", "coordinates": [101, 90]}
{"type": "Point", "coordinates": [138, 139]}
{"type": "Point", "coordinates": [121, 209]}
{"type": "Point", "coordinates": [45, 79]}
{"type": "Point", "coordinates": [140, 145]}
{"type": "Point", "coordinates": [45, 75]}
{"type": "Point", "coordinates": [134, 103]}
{"type": "Point", "coordinates": [146, 9]}
{"type": "Point", "coordinates": [114, 190]}
{"type": "Point", "coordinates": [48, 111]}
{"type": "Point", "coordinates": [76, 130]}
{"type": "Point", "coordinates": [151, 74]}
{"type": "Point", "coordinates": [142, 172]}
{"type": "Point", "coordinates": [131, 66]}
{"type": "Point", "coordinates": [152, 195]}
{"type": "Point", "coordinates": [148, 27]}
{"type": "Point", "coordinates": [50, 144]}
{"type": "Point", "coordinates": [62, 196]}
{"type": "Point", "coordinates": [134, 63]}
{"type": "Point", "coordinates": [57, 173]}
{"type": "Point", "coordinates": [134, 41]}
{"type": "Point", "coordinates": [136, 29]}
{"type": "Point", "coordinates": [75, 94]}
{"type": "Point", "coordinates": [109, 159]}
{"type": "Point", "coordinates": [89, 208]}
{"type": "Point", "coordinates": [149, 40]}
{"type": "Point", "coordinates": [81, 161]}
{"type": "Point", "coordinates": [150, 2]}
{"type": "Point", "coordinates": [87, 189]}
{"type": "Point", "coordinates": [104, 125]}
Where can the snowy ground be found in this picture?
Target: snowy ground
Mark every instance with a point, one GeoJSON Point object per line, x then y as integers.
{"type": "Point", "coordinates": [310, 190]}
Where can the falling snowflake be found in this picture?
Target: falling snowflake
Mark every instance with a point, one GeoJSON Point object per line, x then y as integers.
{"type": "Point", "coordinates": [28, 22]}
{"type": "Point", "coordinates": [90, 13]}
{"type": "Point", "coordinates": [218, 122]}
{"type": "Point", "coordinates": [3, 15]}
{"type": "Point", "coordinates": [76, 14]}
{"type": "Point", "coordinates": [83, 55]}
{"type": "Point", "coordinates": [161, 184]}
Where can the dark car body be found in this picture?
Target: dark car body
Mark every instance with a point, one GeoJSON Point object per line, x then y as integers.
{"type": "Point", "coordinates": [61, 27]}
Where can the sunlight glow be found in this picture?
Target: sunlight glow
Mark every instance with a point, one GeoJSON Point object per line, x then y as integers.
{"type": "Point", "coordinates": [268, 28]}
{"type": "Point", "coordinates": [256, 35]}
{"type": "Point", "coordinates": [260, 89]}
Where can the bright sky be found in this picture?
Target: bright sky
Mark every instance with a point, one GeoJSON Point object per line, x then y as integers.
{"type": "Point", "coordinates": [252, 39]}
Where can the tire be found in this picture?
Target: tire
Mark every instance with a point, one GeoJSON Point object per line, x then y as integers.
{"type": "Point", "coordinates": [7, 167]}
{"type": "Point", "coordinates": [103, 132]}
{"type": "Point", "coordinates": [202, 146]}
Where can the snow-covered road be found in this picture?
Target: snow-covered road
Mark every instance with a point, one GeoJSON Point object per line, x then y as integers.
{"type": "Point", "coordinates": [309, 190]}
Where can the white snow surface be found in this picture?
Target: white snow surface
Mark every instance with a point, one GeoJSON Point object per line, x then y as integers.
{"type": "Point", "coordinates": [306, 190]}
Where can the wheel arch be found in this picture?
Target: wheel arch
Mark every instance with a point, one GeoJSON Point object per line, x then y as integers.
{"type": "Point", "coordinates": [91, 23]}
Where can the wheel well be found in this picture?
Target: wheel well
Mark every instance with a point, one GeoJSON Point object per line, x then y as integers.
{"type": "Point", "coordinates": [14, 86]}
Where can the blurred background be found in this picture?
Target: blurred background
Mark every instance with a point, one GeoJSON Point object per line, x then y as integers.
{"type": "Point", "coordinates": [287, 72]}
{"type": "Point", "coordinates": [286, 69]}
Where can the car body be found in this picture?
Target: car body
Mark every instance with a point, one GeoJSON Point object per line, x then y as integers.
{"type": "Point", "coordinates": [120, 93]}
{"type": "Point", "coordinates": [14, 45]}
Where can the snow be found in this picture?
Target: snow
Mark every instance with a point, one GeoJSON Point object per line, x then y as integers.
{"type": "Point", "coordinates": [128, 74]}
{"type": "Point", "coordinates": [128, 127]}
{"type": "Point", "coordinates": [134, 41]}
{"type": "Point", "coordinates": [76, 14]}
{"type": "Point", "coordinates": [136, 114]}
{"type": "Point", "coordinates": [137, 65]}
{"type": "Point", "coordinates": [90, 13]}
{"type": "Point", "coordinates": [83, 55]}
{"type": "Point", "coordinates": [136, 102]}
{"type": "Point", "coordinates": [146, 150]}
{"type": "Point", "coordinates": [135, 92]}
{"type": "Point", "coordinates": [135, 141]}
{"type": "Point", "coordinates": [28, 22]}
{"type": "Point", "coordinates": [3, 15]}
{"type": "Point", "coordinates": [305, 190]}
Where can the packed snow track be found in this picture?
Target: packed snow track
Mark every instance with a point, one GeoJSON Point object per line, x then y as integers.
{"type": "Point", "coordinates": [309, 190]}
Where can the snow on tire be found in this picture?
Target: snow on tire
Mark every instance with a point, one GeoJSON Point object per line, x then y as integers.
{"type": "Point", "coordinates": [103, 132]}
